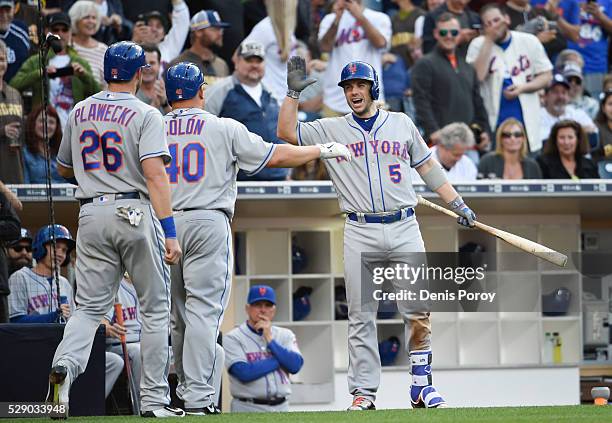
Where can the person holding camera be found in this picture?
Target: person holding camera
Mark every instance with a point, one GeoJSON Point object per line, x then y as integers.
{"type": "Point", "coordinates": [70, 77]}
{"type": "Point", "coordinates": [446, 88]}
{"type": "Point", "coordinates": [536, 21]}
{"type": "Point", "coordinates": [512, 67]}
{"type": "Point", "coordinates": [588, 24]}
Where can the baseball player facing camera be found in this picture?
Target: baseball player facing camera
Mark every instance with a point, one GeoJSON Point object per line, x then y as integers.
{"type": "Point", "coordinates": [207, 152]}
{"type": "Point", "coordinates": [376, 193]}
{"type": "Point", "coordinates": [260, 357]}
{"type": "Point", "coordinates": [115, 146]}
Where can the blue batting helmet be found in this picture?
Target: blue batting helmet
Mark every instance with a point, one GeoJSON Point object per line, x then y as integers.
{"type": "Point", "coordinates": [183, 81]}
{"type": "Point", "coordinates": [122, 60]}
{"type": "Point", "coordinates": [44, 236]}
{"type": "Point", "coordinates": [361, 70]}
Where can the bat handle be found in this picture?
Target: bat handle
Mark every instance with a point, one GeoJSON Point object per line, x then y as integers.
{"type": "Point", "coordinates": [119, 317]}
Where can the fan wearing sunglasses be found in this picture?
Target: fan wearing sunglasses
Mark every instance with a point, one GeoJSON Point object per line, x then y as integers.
{"type": "Point", "coordinates": [446, 88]}
{"type": "Point", "coordinates": [19, 252]}
{"type": "Point", "coordinates": [509, 160]}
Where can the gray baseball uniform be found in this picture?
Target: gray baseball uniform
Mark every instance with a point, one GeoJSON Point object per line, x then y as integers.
{"type": "Point", "coordinates": [32, 293]}
{"type": "Point", "coordinates": [206, 154]}
{"type": "Point", "coordinates": [35, 294]}
{"type": "Point", "coordinates": [242, 345]}
{"type": "Point", "coordinates": [377, 181]}
{"type": "Point", "coordinates": [106, 138]}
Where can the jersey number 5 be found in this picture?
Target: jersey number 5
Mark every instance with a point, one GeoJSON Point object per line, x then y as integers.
{"type": "Point", "coordinates": [112, 157]}
{"type": "Point", "coordinates": [190, 162]}
{"type": "Point", "coordinates": [395, 173]}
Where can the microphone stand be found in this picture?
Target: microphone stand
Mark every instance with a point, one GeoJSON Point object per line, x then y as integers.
{"type": "Point", "coordinates": [43, 54]}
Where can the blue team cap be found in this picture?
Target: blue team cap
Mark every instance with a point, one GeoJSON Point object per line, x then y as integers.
{"type": "Point", "coordinates": [261, 293]}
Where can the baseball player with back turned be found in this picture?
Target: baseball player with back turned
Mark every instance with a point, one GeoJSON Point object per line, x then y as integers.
{"type": "Point", "coordinates": [115, 146]}
{"type": "Point", "coordinates": [376, 193]}
{"type": "Point", "coordinates": [207, 152]}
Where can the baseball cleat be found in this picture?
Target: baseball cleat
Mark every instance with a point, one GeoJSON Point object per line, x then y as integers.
{"type": "Point", "coordinates": [426, 397]}
{"type": "Point", "coordinates": [361, 404]}
{"type": "Point", "coordinates": [59, 390]}
{"type": "Point", "coordinates": [209, 409]}
{"type": "Point", "coordinates": [164, 412]}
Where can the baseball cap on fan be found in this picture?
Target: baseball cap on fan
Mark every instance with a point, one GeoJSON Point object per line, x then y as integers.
{"type": "Point", "coordinates": [206, 19]}
{"type": "Point", "coordinates": [7, 3]}
{"type": "Point", "coordinates": [251, 49]}
{"type": "Point", "coordinates": [261, 293]}
{"type": "Point", "coordinates": [59, 18]}
{"type": "Point", "coordinates": [572, 70]}
{"type": "Point", "coordinates": [558, 79]}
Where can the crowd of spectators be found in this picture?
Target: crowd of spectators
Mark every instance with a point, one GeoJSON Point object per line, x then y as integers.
{"type": "Point", "coordinates": [510, 71]}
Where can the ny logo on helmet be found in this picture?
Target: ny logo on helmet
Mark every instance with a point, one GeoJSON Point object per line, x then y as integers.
{"type": "Point", "coordinates": [353, 68]}
{"type": "Point", "coordinates": [262, 290]}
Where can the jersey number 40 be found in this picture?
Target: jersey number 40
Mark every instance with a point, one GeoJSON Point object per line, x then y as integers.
{"type": "Point", "coordinates": [188, 162]}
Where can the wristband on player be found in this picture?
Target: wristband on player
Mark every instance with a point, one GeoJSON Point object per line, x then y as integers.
{"type": "Point", "coordinates": [293, 94]}
{"type": "Point", "coordinates": [167, 224]}
{"type": "Point", "coordinates": [457, 203]}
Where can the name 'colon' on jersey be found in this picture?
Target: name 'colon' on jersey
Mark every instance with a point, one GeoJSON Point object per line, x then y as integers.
{"type": "Point", "coordinates": [207, 152]}
{"type": "Point", "coordinates": [378, 178]}
{"type": "Point", "coordinates": [106, 138]}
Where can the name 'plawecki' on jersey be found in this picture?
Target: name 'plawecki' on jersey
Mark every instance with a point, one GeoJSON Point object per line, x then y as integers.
{"type": "Point", "coordinates": [104, 112]}
{"type": "Point", "coordinates": [393, 148]}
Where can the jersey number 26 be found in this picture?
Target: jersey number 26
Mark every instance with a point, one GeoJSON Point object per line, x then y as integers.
{"type": "Point", "coordinates": [189, 162]}
{"type": "Point", "coordinates": [112, 157]}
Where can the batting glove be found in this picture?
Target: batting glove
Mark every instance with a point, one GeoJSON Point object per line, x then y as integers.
{"type": "Point", "coordinates": [466, 216]}
{"type": "Point", "coordinates": [296, 76]}
{"type": "Point", "coordinates": [332, 150]}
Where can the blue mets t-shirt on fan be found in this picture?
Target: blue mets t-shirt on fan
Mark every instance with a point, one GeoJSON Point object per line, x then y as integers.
{"type": "Point", "coordinates": [593, 42]}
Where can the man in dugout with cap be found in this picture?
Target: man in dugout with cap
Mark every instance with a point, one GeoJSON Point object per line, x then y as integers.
{"type": "Point", "coordinates": [260, 356]}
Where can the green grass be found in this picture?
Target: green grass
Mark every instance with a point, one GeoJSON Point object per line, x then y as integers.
{"type": "Point", "coordinates": [569, 414]}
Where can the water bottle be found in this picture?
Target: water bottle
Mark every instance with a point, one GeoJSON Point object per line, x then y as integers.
{"type": "Point", "coordinates": [557, 357]}
{"type": "Point", "coordinates": [547, 352]}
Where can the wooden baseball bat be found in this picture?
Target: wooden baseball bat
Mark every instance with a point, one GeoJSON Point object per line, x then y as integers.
{"type": "Point", "coordinates": [524, 244]}
{"type": "Point", "coordinates": [128, 367]}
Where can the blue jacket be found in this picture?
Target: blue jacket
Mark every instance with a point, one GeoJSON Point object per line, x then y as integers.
{"type": "Point", "coordinates": [35, 169]}
{"type": "Point", "coordinates": [226, 98]}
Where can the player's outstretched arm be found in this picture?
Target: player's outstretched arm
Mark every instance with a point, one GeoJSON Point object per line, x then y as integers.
{"type": "Point", "coordinates": [159, 192]}
{"type": "Point", "coordinates": [432, 174]}
{"type": "Point", "coordinates": [293, 156]}
{"type": "Point", "coordinates": [296, 83]}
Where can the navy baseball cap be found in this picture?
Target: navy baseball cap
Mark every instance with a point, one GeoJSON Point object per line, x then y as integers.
{"type": "Point", "coordinates": [24, 234]}
{"type": "Point", "coordinates": [558, 79]}
{"type": "Point", "coordinates": [261, 293]}
{"type": "Point", "coordinates": [58, 18]}
{"type": "Point", "coordinates": [206, 19]}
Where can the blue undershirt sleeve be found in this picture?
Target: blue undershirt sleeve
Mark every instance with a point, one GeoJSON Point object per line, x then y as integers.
{"type": "Point", "coordinates": [248, 372]}
{"type": "Point", "coordinates": [288, 360]}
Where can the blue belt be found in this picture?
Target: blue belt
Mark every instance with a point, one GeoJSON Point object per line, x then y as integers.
{"type": "Point", "coordinates": [119, 196]}
{"type": "Point", "coordinates": [383, 218]}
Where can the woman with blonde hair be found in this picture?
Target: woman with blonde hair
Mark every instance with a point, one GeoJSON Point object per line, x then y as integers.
{"type": "Point", "coordinates": [86, 20]}
{"type": "Point", "coordinates": [509, 160]}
